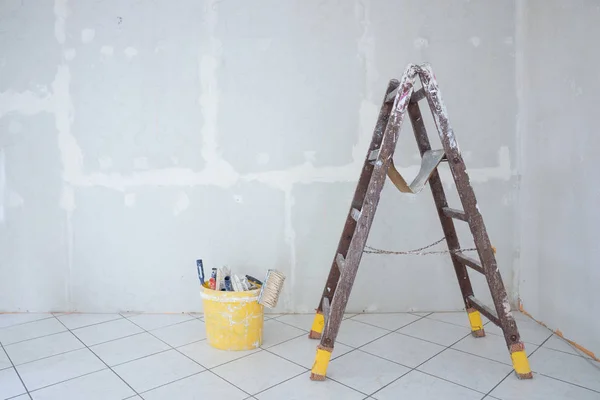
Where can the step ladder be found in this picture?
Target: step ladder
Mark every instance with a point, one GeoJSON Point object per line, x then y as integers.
{"type": "Point", "coordinates": [399, 98]}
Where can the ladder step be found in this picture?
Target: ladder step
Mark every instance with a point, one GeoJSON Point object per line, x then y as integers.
{"type": "Point", "coordinates": [454, 213]}
{"type": "Point", "coordinates": [340, 261]}
{"type": "Point", "coordinates": [485, 310]}
{"type": "Point", "coordinates": [470, 262]}
{"type": "Point", "coordinates": [355, 213]}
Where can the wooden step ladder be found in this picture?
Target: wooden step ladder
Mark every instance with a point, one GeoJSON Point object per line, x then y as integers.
{"type": "Point", "coordinates": [399, 98]}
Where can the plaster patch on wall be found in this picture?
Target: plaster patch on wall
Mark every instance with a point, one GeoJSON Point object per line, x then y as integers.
{"type": "Point", "coordinates": [130, 52]}
{"type": "Point", "coordinates": [140, 163]}
{"type": "Point", "coordinates": [67, 199]}
{"type": "Point", "coordinates": [107, 51]}
{"type": "Point", "coordinates": [290, 238]}
{"type": "Point", "coordinates": [26, 103]}
{"type": "Point", "coordinates": [129, 199]}
{"type": "Point", "coordinates": [509, 41]}
{"type": "Point", "coordinates": [2, 184]}
{"type": "Point", "coordinates": [105, 162]}
{"type": "Point", "coordinates": [14, 199]}
{"type": "Point", "coordinates": [238, 199]}
{"type": "Point", "coordinates": [421, 43]}
{"type": "Point", "coordinates": [60, 15]}
{"type": "Point", "coordinates": [182, 203]}
{"type": "Point", "coordinates": [87, 35]}
{"type": "Point", "coordinates": [310, 156]}
{"type": "Point", "coordinates": [70, 54]}
{"type": "Point", "coordinates": [475, 41]}
{"type": "Point", "coordinates": [262, 159]}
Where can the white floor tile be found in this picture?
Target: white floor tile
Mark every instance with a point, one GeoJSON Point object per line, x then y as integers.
{"type": "Point", "coordinates": [355, 334]}
{"type": "Point", "coordinates": [21, 397]}
{"type": "Point", "coordinates": [10, 319]}
{"type": "Point", "coordinates": [435, 331]}
{"type": "Point", "coordinates": [258, 371]}
{"type": "Point", "coordinates": [4, 361]}
{"type": "Point", "coordinates": [530, 331]}
{"type": "Point", "coordinates": [10, 384]}
{"type": "Point", "coordinates": [460, 318]}
{"type": "Point", "coordinates": [560, 344]}
{"type": "Point", "coordinates": [79, 320]}
{"type": "Point", "coordinates": [567, 367]}
{"type": "Point", "coordinates": [183, 333]}
{"type": "Point", "coordinates": [403, 349]}
{"type": "Point", "coordinates": [102, 385]}
{"type": "Point", "coordinates": [104, 332]}
{"type": "Point", "coordinates": [302, 350]}
{"type": "Point", "coordinates": [300, 321]}
{"type": "Point", "coordinates": [420, 314]}
{"type": "Point", "coordinates": [154, 321]}
{"type": "Point", "coordinates": [30, 330]}
{"type": "Point", "coordinates": [541, 388]}
{"type": "Point", "coordinates": [465, 369]}
{"type": "Point", "coordinates": [204, 385]}
{"type": "Point", "coordinates": [391, 321]}
{"type": "Point", "coordinates": [209, 357]}
{"type": "Point", "coordinates": [275, 332]}
{"type": "Point", "coordinates": [417, 385]}
{"type": "Point", "coordinates": [491, 346]}
{"type": "Point", "coordinates": [301, 388]}
{"type": "Point", "coordinates": [45, 346]}
{"type": "Point", "coordinates": [51, 370]}
{"type": "Point", "coordinates": [129, 348]}
{"type": "Point", "coordinates": [364, 372]}
{"type": "Point", "coordinates": [157, 370]}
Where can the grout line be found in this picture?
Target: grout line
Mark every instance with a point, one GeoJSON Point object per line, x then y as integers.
{"type": "Point", "coordinates": [415, 368]}
{"type": "Point", "coordinates": [285, 323]}
{"type": "Point", "coordinates": [67, 380]}
{"type": "Point", "coordinates": [191, 359]}
{"type": "Point", "coordinates": [173, 381]}
{"type": "Point", "coordinates": [98, 357]}
{"type": "Point", "coordinates": [161, 327]}
{"type": "Point", "coordinates": [24, 323]}
{"type": "Point", "coordinates": [118, 316]}
{"type": "Point", "coordinates": [277, 384]}
{"type": "Point", "coordinates": [17, 372]}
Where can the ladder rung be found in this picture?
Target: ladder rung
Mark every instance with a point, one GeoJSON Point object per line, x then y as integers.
{"type": "Point", "coordinates": [454, 213]}
{"type": "Point", "coordinates": [339, 260]}
{"type": "Point", "coordinates": [485, 310]}
{"type": "Point", "coordinates": [469, 262]}
{"type": "Point", "coordinates": [355, 213]}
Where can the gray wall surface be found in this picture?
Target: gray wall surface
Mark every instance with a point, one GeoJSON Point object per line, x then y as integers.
{"type": "Point", "coordinates": [136, 137]}
{"type": "Point", "coordinates": [559, 86]}
{"type": "Point", "coordinates": [139, 136]}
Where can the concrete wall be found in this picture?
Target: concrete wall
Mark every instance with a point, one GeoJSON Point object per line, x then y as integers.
{"type": "Point", "coordinates": [139, 136]}
{"type": "Point", "coordinates": [559, 141]}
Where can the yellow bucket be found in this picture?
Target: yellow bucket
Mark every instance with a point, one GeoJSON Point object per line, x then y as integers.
{"type": "Point", "coordinates": [234, 320]}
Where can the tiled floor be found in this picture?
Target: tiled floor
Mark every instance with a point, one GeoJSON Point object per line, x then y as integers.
{"type": "Point", "coordinates": [378, 356]}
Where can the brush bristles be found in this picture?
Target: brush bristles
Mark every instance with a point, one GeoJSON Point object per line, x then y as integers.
{"type": "Point", "coordinates": [269, 294]}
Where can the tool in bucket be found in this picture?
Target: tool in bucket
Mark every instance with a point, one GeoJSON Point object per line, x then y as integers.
{"type": "Point", "coordinates": [399, 99]}
{"type": "Point", "coordinates": [222, 279]}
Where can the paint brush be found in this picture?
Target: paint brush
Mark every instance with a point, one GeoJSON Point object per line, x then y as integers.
{"type": "Point", "coordinates": [271, 289]}
{"type": "Point", "coordinates": [200, 269]}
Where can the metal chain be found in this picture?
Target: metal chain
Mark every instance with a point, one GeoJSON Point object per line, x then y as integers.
{"type": "Point", "coordinates": [416, 252]}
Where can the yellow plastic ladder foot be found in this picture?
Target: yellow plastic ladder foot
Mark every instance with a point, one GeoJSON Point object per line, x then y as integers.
{"type": "Point", "coordinates": [319, 369]}
{"type": "Point", "coordinates": [476, 323]}
{"type": "Point", "coordinates": [317, 326]}
{"type": "Point", "coordinates": [520, 361]}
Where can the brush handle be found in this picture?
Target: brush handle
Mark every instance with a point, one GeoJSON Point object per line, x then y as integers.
{"type": "Point", "coordinates": [200, 269]}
